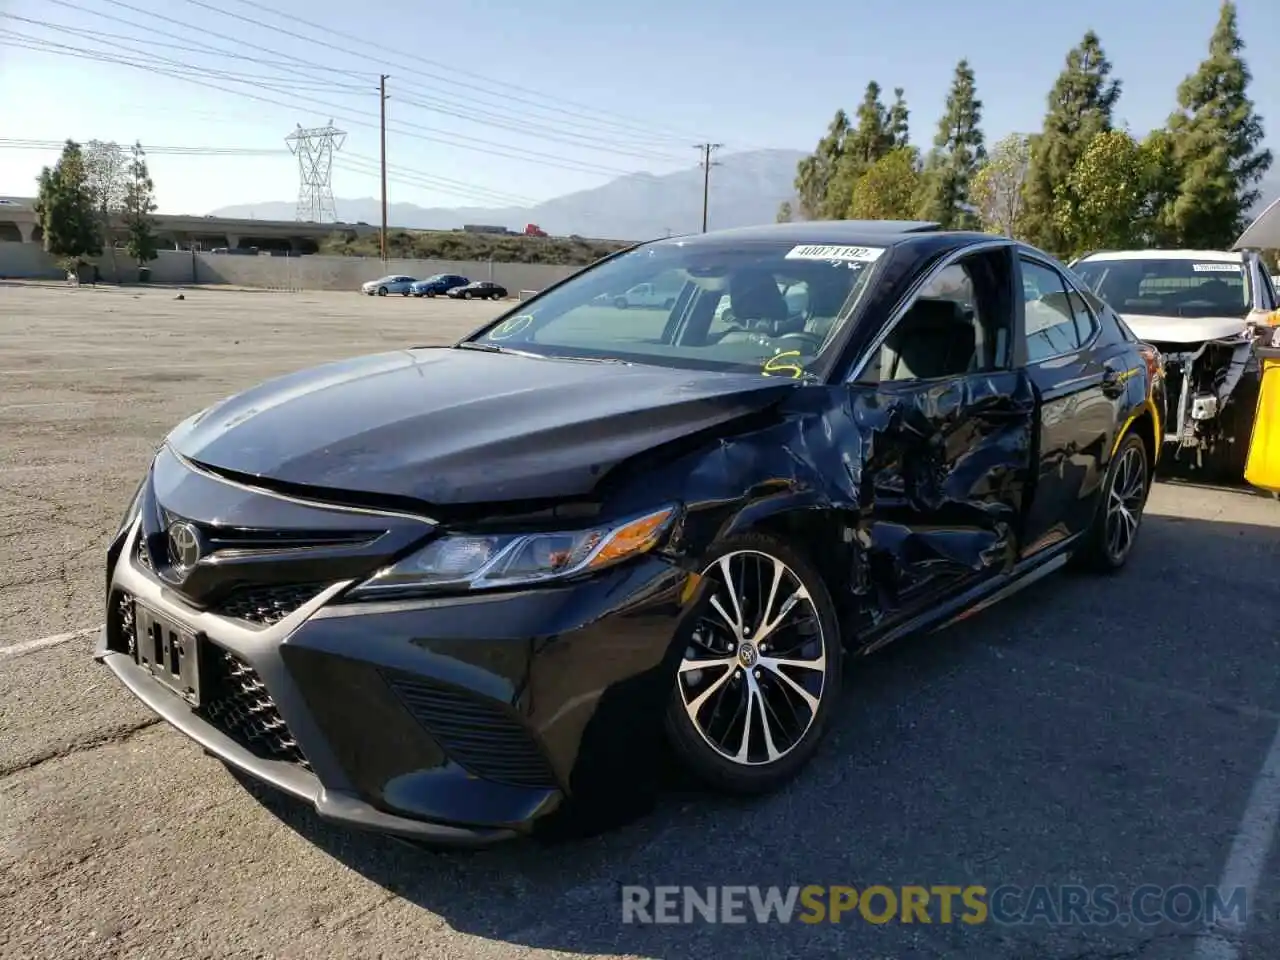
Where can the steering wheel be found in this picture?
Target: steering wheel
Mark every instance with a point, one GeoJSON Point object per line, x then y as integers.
{"type": "Point", "coordinates": [802, 339]}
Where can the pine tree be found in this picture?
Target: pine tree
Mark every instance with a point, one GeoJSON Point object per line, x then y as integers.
{"type": "Point", "coordinates": [899, 116]}
{"type": "Point", "coordinates": [1217, 143]}
{"type": "Point", "coordinates": [872, 137]}
{"type": "Point", "coordinates": [869, 140]}
{"type": "Point", "coordinates": [139, 204]}
{"type": "Point", "coordinates": [958, 152]}
{"type": "Point", "coordinates": [1080, 107]}
{"type": "Point", "coordinates": [64, 208]}
{"type": "Point", "coordinates": [815, 172]}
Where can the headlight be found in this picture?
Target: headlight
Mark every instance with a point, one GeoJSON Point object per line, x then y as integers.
{"type": "Point", "coordinates": [476, 562]}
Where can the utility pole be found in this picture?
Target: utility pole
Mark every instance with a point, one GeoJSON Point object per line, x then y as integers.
{"type": "Point", "coordinates": [707, 164]}
{"type": "Point", "coordinates": [382, 97]}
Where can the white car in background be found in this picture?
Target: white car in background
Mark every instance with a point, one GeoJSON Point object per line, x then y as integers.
{"type": "Point", "coordinates": [1202, 309]}
{"type": "Point", "coordinates": [395, 283]}
{"type": "Point", "coordinates": [646, 296]}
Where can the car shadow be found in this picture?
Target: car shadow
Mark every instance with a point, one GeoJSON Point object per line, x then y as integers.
{"type": "Point", "coordinates": [954, 755]}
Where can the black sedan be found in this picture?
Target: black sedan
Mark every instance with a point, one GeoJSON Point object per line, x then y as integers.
{"type": "Point", "coordinates": [478, 290]}
{"type": "Point", "coordinates": [464, 593]}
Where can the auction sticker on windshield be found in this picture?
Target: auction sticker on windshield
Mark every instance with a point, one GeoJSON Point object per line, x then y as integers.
{"type": "Point", "coordinates": [815, 251]}
{"type": "Point", "coordinates": [1216, 267]}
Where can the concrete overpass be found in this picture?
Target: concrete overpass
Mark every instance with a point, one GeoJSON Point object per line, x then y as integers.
{"type": "Point", "coordinates": [18, 223]}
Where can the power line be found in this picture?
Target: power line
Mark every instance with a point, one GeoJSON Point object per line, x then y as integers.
{"type": "Point", "coordinates": [190, 47]}
{"type": "Point", "coordinates": [349, 162]}
{"type": "Point", "coordinates": [419, 133]}
{"type": "Point", "coordinates": [144, 60]}
{"type": "Point", "coordinates": [513, 92]}
{"type": "Point", "coordinates": [14, 144]}
{"type": "Point", "coordinates": [301, 64]}
{"type": "Point", "coordinates": [706, 164]}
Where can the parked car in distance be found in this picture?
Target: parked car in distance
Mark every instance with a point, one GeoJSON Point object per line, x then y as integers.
{"type": "Point", "coordinates": [1203, 310]}
{"type": "Point", "coordinates": [645, 295]}
{"type": "Point", "coordinates": [479, 290]}
{"type": "Point", "coordinates": [441, 283]}
{"type": "Point", "coordinates": [394, 283]}
{"type": "Point", "coordinates": [463, 593]}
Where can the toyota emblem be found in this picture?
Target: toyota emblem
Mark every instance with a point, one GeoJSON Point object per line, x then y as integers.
{"type": "Point", "coordinates": [184, 546]}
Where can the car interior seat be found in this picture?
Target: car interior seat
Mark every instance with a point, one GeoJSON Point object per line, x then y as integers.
{"type": "Point", "coordinates": [758, 305]}
{"type": "Point", "coordinates": [935, 338]}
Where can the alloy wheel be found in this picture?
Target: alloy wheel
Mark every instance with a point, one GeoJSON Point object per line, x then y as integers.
{"type": "Point", "coordinates": [1125, 501]}
{"type": "Point", "coordinates": [755, 668]}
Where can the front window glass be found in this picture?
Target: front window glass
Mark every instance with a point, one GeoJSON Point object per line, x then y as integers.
{"type": "Point", "coordinates": [1169, 287]}
{"type": "Point", "coordinates": [765, 307]}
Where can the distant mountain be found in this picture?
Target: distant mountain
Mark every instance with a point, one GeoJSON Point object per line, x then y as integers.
{"type": "Point", "coordinates": [746, 189]}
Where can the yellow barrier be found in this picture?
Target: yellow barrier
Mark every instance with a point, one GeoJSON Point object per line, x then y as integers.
{"type": "Point", "coordinates": [1263, 466]}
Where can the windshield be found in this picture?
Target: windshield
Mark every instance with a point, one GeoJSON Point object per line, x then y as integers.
{"type": "Point", "coordinates": [767, 307]}
{"type": "Point", "coordinates": [1171, 288]}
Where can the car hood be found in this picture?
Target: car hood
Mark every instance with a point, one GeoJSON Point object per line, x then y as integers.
{"type": "Point", "coordinates": [449, 426]}
{"type": "Point", "coordinates": [1162, 329]}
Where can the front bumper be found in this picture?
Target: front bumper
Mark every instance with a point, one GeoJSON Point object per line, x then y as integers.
{"type": "Point", "coordinates": [457, 721]}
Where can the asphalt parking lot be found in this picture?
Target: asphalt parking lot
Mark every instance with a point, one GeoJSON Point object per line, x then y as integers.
{"type": "Point", "coordinates": [1087, 732]}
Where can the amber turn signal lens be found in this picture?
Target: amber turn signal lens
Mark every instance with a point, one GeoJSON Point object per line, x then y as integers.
{"type": "Point", "coordinates": [636, 537]}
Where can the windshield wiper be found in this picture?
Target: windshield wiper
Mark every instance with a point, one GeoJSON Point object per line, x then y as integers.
{"type": "Point", "coordinates": [493, 348]}
{"type": "Point", "coordinates": [557, 356]}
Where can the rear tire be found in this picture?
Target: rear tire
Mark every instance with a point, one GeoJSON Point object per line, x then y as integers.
{"type": "Point", "coordinates": [786, 687]}
{"type": "Point", "coordinates": [1110, 539]}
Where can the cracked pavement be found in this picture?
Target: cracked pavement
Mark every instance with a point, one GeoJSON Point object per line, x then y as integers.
{"type": "Point", "coordinates": [1087, 731]}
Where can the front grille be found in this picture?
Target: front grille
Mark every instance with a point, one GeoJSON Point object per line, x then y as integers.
{"type": "Point", "coordinates": [266, 604]}
{"type": "Point", "coordinates": [235, 701]}
{"type": "Point", "coordinates": [482, 737]}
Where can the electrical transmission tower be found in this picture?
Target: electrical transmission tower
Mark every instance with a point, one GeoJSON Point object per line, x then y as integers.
{"type": "Point", "coordinates": [314, 147]}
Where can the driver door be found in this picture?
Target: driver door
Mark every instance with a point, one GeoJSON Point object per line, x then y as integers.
{"type": "Point", "coordinates": [944, 416]}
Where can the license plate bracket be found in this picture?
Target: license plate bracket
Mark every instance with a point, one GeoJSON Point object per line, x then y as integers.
{"type": "Point", "coordinates": [168, 651]}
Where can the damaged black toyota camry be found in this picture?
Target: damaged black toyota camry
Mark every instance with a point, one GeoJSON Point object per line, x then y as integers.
{"type": "Point", "coordinates": [464, 593]}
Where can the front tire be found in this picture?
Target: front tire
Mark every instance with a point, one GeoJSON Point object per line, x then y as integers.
{"type": "Point", "coordinates": [466, 295]}
{"type": "Point", "coordinates": [382, 291]}
{"type": "Point", "coordinates": [1110, 539]}
{"type": "Point", "coordinates": [760, 671]}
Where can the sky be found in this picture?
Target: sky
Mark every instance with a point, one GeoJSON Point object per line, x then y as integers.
{"type": "Point", "coordinates": [505, 102]}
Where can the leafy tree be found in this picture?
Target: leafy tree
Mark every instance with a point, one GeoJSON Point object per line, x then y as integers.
{"type": "Point", "coordinates": [996, 189]}
{"type": "Point", "coordinates": [814, 173]}
{"type": "Point", "coordinates": [899, 116]}
{"type": "Point", "coordinates": [1100, 203]}
{"type": "Point", "coordinates": [785, 214]}
{"type": "Point", "coordinates": [1080, 106]}
{"type": "Point", "coordinates": [64, 208]}
{"type": "Point", "coordinates": [139, 204]}
{"type": "Point", "coordinates": [1217, 143]}
{"type": "Point", "coordinates": [105, 176]}
{"type": "Point", "coordinates": [888, 189]}
{"type": "Point", "coordinates": [958, 152]}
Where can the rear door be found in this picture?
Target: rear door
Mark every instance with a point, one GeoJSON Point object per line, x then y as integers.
{"type": "Point", "coordinates": [1081, 381]}
{"type": "Point", "coordinates": [945, 416]}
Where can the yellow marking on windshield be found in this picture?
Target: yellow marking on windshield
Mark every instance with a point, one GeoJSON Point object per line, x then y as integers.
{"type": "Point", "coordinates": [773, 367]}
{"type": "Point", "coordinates": [510, 327]}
